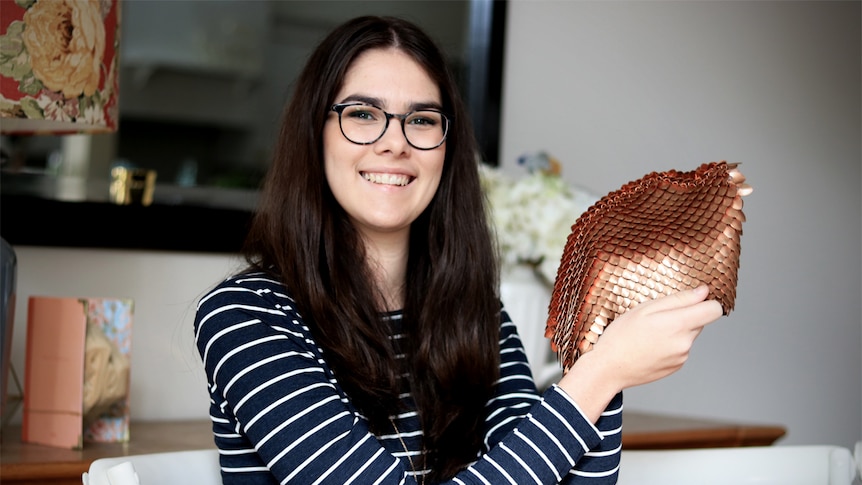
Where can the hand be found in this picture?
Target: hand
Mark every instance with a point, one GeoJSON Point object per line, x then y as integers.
{"type": "Point", "coordinates": [653, 339]}
{"type": "Point", "coordinates": [647, 343]}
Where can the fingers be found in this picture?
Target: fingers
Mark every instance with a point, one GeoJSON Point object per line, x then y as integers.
{"type": "Point", "coordinates": [680, 299]}
{"type": "Point", "coordinates": [654, 338]}
{"type": "Point", "coordinates": [684, 311]}
{"type": "Point", "coordinates": [704, 312]}
{"type": "Point", "coordinates": [691, 303]}
{"type": "Point", "coordinates": [700, 311]}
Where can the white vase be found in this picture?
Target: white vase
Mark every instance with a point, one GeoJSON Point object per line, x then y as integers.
{"type": "Point", "coordinates": [526, 297]}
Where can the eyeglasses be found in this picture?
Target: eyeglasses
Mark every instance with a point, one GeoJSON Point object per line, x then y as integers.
{"type": "Point", "coordinates": [364, 124]}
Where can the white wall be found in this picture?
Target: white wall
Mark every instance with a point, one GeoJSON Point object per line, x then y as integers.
{"type": "Point", "coordinates": [619, 89]}
{"type": "Point", "coordinates": [167, 377]}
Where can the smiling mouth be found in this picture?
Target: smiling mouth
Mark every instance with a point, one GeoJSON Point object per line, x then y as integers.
{"type": "Point", "coordinates": [387, 178]}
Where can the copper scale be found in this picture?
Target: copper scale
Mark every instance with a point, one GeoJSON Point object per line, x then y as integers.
{"type": "Point", "coordinates": [660, 234]}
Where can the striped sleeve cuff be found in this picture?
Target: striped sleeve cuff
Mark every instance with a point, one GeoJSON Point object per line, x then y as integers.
{"type": "Point", "coordinates": [544, 446]}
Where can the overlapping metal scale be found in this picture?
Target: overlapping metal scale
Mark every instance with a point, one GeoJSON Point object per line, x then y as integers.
{"type": "Point", "coordinates": [665, 232]}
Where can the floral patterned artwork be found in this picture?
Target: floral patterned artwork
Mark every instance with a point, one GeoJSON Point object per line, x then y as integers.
{"type": "Point", "coordinates": [533, 215]}
{"type": "Point", "coordinates": [59, 65]}
{"type": "Point", "coordinates": [113, 316]}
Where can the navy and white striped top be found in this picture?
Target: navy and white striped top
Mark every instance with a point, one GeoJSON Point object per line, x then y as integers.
{"type": "Point", "coordinates": [280, 416]}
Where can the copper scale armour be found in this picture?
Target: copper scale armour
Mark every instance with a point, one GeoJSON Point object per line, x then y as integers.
{"type": "Point", "coordinates": [663, 233]}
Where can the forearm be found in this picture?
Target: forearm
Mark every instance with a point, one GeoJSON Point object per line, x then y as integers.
{"type": "Point", "coordinates": [601, 464]}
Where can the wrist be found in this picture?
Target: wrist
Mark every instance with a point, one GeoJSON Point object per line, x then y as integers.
{"type": "Point", "coordinates": [591, 385]}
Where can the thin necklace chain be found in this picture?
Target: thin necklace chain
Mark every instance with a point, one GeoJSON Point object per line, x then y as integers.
{"type": "Point", "coordinates": [420, 478]}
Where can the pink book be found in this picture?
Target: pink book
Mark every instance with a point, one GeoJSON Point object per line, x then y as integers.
{"type": "Point", "coordinates": [76, 345]}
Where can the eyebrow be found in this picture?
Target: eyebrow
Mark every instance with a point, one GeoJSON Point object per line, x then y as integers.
{"type": "Point", "coordinates": [380, 103]}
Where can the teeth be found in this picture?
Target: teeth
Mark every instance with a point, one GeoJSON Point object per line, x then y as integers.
{"type": "Point", "coordinates": [387, 178]}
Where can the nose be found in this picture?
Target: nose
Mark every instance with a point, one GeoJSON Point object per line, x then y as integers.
{"type": "Point", "coordinates": [393, 138]}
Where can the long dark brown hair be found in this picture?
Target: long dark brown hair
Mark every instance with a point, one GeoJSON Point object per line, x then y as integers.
{"type": "Point", "coordinates": [451, 313]}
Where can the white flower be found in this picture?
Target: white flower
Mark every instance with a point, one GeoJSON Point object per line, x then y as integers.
{"type": "Point", "coordinates": [94, 114]}
{"type": "Point", "coordinates": [533, 216]}
{"type": "Point", "coordinates": [55, 107]}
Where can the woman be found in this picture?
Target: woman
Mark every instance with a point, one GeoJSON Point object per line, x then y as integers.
{"type": "Point", "coordinates": [366, 341]}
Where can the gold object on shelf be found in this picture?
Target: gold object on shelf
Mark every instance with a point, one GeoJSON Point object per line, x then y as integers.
{"type": "Point", "coordinates": [132, 186]}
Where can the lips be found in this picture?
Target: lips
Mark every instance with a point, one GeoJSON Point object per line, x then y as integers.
{"type": "Point", "coordinates": [387, 178]}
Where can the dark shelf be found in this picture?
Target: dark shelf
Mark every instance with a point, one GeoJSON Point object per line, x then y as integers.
{"type": "Point", "coordinates": [35, 221]}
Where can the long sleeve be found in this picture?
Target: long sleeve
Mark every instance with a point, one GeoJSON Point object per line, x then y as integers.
{"type": "Point", "coordinates": [600, 464]}
{"type": "Point", "coordinates": [280, 416]}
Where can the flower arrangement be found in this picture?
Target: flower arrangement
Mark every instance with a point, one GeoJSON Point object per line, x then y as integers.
{"type": "Point", "coordinates": [58, 65]}
{"type": "Point", "coordinates": [533, 215]}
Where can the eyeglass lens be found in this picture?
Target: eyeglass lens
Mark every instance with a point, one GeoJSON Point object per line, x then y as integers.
{"type": "Point", "coordinates": [365, 124]}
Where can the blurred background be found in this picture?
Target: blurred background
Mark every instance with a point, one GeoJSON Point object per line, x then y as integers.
{"type": "Point", "coordinates": [613, 90]}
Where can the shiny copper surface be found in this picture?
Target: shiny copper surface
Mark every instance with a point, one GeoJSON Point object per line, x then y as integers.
{"type": "Point", "coordinates": [663, 233]}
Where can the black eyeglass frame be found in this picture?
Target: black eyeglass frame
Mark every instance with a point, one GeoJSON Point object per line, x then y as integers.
{"type": "Point", "coordinates": [340, 107]}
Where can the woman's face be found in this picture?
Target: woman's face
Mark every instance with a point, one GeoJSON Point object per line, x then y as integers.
{"type": "Point", "coordinates": [383, 186]}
